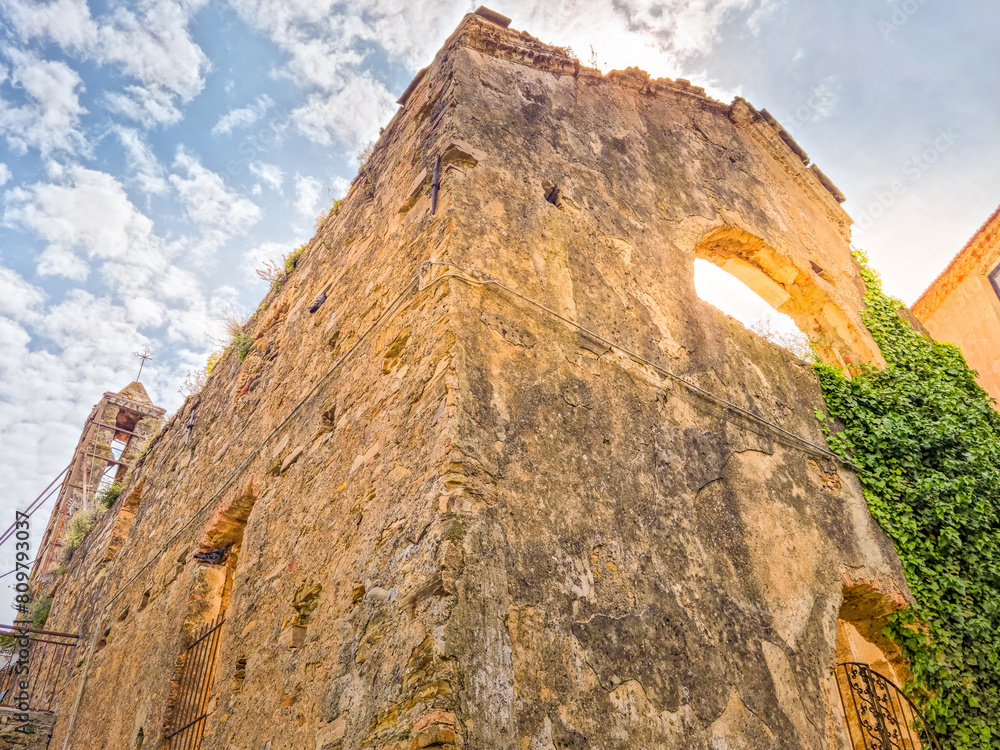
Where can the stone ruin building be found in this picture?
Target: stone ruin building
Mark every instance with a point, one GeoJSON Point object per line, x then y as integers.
{"type": "Point", "coordinates": [492, 475]}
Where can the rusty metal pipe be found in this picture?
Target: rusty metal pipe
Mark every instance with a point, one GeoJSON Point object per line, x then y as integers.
{"type": "Point", "coordinates": [435, 185]}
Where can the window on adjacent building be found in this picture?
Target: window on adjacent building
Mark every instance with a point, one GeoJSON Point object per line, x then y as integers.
{"type": "Point", "coordinates": [995, 280]}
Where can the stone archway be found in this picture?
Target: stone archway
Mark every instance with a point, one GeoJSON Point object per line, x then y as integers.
{"type": "Point", "coordinates": [863, 616]}
{"type": "Point", "coordinates": [800, 288]}
{"type": "Point", "coordinates": [870, 671]}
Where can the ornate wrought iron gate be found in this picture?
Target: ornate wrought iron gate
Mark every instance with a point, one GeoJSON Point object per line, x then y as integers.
{"type": "Point", "coordinates": [879, 716]}
{"type": "Point", "coordinates": [194, 688]}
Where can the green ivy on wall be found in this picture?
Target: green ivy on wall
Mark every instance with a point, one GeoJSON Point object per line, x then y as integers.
{"type": "Point", "coordinates": [928, 443]}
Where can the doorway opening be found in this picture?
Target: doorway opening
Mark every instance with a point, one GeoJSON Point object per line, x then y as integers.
{"type": "Point", "coordinates": [870, 672]}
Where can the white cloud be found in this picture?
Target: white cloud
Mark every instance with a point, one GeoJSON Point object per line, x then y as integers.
{"type": "Point", "coordinates": [56, 260]}
{"type": "Point", "coordinates": [345, 104]}
{"type": "Point", "coordinates": [327, 44]}
{"type": "Point", "coordinates": [83, 319]}
{"type": "Point", "coordinates": [688, 28]}
{"type": "Point", "coordinates": [241, 118]}
{"type": "Point", "coordinates": [270, 174]}
{"type": "Point", "coordinates": [85, 216]}
{"type": "Point", "coordinates": [19, 300]}
{"type": "Point", "coordinates": [87, 221]}
{"type": "Point", "coordinates": [207, 201]}
{"type": "Point", "coordinates": [5, 174]}
{"type": "Point", "coordinates": [826, 94]}
{"type": "Point", "coordinates": [151, 44]}
{"type": "Point", "coordinates": [66, 22]}
{"type": "Point", "coordinates": [50, 118]}
{"type": "Point", "coordinates": [142, 161]}
{"type": "Point", "coordinates": [149, 106]}
{"type": "Point", "coordinates": [145, 311]}
{"type": "Point", "coordinates": [308, 194]}
{"type": "Point", "coordinates": [349, 115]}
{"type": "Point", "coordinates": [659, 37]}
{"type": "Point", "coordinates": [762, 14]}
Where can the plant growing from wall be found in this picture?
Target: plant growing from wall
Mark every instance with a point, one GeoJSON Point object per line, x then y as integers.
{"type": "Point", "coordinates": [269, 271]}
{"type": "Point", "coordinates": [194, 381]}
{"type": "Point", "coordinates": [234, 322]}
{"type": "Point", "coordinates": [242, 342]}
{"type": "Point", "coordinates": [109, 495]}
{"type": "Point", "coordinates": [365, 170]}
{"type": "Point", "coordinates": [276, 274]}
{"type": "Point", "coordinates": [212, 361]}
{"type": "Point", "coordinates": [80, 524]}
{"type": "Point", "coordinates": [40, 609]}
{"type": "Point", "coordinates": [292, 259]}
{"type": "Point", "coordinates": [34, 615]}
{"type": "Point", "coordinates": [325, 216]}
{"type": "Point", "coordinates": [928, 443]}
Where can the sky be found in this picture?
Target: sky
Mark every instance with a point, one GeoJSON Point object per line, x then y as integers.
{"type": "Point", "coordinates": [154, 153]}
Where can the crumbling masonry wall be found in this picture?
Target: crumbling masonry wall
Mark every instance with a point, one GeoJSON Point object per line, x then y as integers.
{"type": "Point", "coordinates": [512, 484]}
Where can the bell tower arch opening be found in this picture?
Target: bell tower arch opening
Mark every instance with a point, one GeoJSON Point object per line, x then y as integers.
{"type": "Point", "coordinates": [796, 287]}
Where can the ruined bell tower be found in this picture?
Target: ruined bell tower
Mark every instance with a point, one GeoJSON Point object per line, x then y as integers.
{"type": "Point", "coordinates": [117, 430]}
{"type": "Point", "coordinates": [492, 475]}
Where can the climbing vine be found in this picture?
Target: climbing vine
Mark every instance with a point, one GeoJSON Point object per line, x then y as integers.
{"type": "Point", "coordinates": [928, 443]}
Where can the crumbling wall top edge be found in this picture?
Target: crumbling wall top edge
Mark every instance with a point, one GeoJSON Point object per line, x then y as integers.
{"type": "Point", "coordinates": [769, 134]}
{"type": "Point", "coordinates": [477, 32]}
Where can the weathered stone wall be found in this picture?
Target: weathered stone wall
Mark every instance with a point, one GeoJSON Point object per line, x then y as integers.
{"type": "Point", "coordinates": [18, 735]}
{"type": "Point", "coordinates": [346, 498]}
{"type": "Point", "coordinates": [650, 568]}
{"type": "Point", "coordinates": [459, 520]}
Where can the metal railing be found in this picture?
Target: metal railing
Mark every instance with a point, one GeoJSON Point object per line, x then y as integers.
{"type": "Point", "coordinates": [194, 688]}
{"type": "Point", "coordinates": [48, 652]}
{"type": "Point", "coordinates": [879, 715]}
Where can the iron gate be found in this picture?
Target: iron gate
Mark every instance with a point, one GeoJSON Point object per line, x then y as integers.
{"type": "Point", "coordinates": [879, 716]}
{"type": "Point", "coordinates": [194, 688]}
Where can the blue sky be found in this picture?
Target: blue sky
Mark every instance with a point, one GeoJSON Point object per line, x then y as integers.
{"type": "Point", "coordinates": [154, 152]}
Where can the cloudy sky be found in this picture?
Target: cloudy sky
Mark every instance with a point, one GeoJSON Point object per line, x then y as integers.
{"type": "Point", "coordinates": [153, 152]}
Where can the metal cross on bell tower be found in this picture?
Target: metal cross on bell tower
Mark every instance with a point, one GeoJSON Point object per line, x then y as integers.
{"type": "Point", "coordinates": [144, 356]}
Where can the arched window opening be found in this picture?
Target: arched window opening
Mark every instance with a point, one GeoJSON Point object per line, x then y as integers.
{"type": "Point", "coordinates": [730, 294]}
{"type": "Point", "coordinates": [805, 293]}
